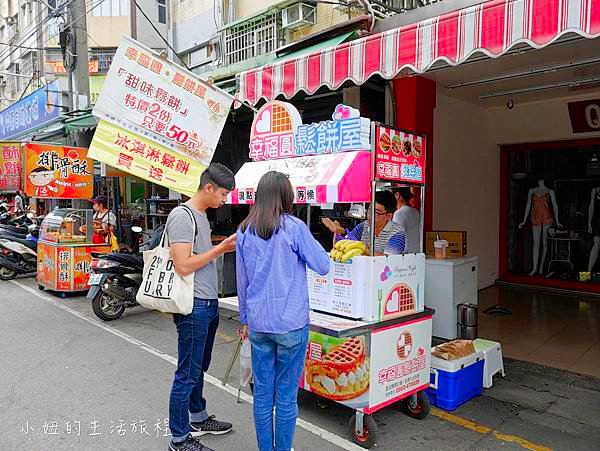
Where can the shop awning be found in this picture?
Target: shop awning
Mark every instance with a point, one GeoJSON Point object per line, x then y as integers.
{"type": "Point", "coordinates": [85, 122]}
{"type": "Point", "coordinates": [321, 179]}
{"type": "Point", "coordinates": [491, 28]}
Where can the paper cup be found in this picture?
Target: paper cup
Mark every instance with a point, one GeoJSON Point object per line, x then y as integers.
{"type": "Point", "coordinates": [441, 248]}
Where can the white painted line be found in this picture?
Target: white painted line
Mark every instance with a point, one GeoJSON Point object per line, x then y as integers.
{"type": "Point", "coordinates": [310, 427]}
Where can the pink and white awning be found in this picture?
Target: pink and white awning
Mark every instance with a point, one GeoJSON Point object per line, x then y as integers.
{"type": "Point", "coordinates": [320, 179]}
{"type": "Point", "coordinates": [491, 28]}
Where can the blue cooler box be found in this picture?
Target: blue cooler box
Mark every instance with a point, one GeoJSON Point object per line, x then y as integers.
{"type": "Point", "coordinates": [454, 382]}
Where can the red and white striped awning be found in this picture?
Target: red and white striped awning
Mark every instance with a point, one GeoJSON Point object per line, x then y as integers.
{"type": "Point", "coordinates": [490, 28]}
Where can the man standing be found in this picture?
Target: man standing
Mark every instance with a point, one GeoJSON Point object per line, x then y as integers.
{"type": "Point", "coordinates": [409, 218]}
{"type": "Point", "coordinates": [196, 332]}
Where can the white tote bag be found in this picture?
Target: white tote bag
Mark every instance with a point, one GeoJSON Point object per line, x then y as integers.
{"type": "Point", "coordinates": [162, 288]}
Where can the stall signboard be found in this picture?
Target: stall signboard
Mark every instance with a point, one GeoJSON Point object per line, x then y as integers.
{"type": "Point", "coordinates": [144, 158]}
{"type": "Point", "coordinates": [66, 268]}
{"type": "Point", "coordinates": [339, 368]}
{"type": "Point", "coordinates": [162, 102]}
{"type": "Point", "coordinates": [58, 172]}
{"type": "Point", "coordinates": [316, 179]}
{"type": "Point", "coordinates": [400, 156]}
{"type": "Point", "coordinates": [34, 111]}
{"type": "Point", "coordinates": [401, 364]}
{"type": "Point", "coordinates": [10, 166]}
{"type": "Point", "coordinates": [277, 132]}
{"type": "Point", "coordinates": [370, 288]}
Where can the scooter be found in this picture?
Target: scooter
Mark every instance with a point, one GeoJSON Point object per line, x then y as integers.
{"type": "Point", "coordinates": [18, 252]}
{"type": "Point", "coordinates": [115, 280]}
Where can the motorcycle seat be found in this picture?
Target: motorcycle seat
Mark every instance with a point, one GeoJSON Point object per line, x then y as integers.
{"type": "Point", "coordinates": [29, 243]}
{"type": "Point", "coordinates": [14, 229]}
{"type": "Point", "coordinates": [11, 235]}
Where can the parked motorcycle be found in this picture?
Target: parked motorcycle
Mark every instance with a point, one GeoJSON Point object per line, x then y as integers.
{"type": "Point", "coordinates": [115, 280]}
{"type": "Point", "coordinates": [18, 251]}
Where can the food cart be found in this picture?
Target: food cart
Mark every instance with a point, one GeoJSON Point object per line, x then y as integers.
{"type": "Point", "coordinates": [65, 250]}
{"type": "Point", "coordinates": [370, 333]}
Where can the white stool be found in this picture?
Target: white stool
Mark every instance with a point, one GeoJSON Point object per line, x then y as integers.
{"type": "Point", "coordinates": [493, 364]}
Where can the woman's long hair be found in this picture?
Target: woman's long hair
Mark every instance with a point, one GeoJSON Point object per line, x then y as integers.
{"type": "Point", "coordinates": [274, 198]}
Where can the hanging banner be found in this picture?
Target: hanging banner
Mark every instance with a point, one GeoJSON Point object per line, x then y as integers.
{"type": "Point", "coordinates": [144, 158]}
{"type": "Point", "coordinates": [400, 156]}
{"type": "Point", "coordinates": [10, 166]}
{"type": "Point", "coordinates": [158, 100]}
{"type": "Point", "coordinates": [58, 172]}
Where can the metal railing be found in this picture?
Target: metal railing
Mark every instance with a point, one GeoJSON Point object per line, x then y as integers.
{"type": "Point", "coordinates": [387, 8]}
{"type": "Point", "coordinates": [254, 37]}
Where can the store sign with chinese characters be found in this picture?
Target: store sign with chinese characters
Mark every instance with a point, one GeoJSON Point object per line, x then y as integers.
{"type": "Point", "coordinates": [400, 156]}
{"type": "Point", "coordinates": [58, 172]}
{"type": "Point", "coordinates": [144, 158]}
{"type": "Point", "coordinates": [151, 100]}
{"type": "Point", "coordinates": [277, 132]}
{"type": "Point", "coordinates": [10, 166]}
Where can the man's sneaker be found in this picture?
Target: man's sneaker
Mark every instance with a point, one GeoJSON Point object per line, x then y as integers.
{"type": "Point", "coordinates": [191, 444]}
{"type": "Point", "coordinates": [210, 426]}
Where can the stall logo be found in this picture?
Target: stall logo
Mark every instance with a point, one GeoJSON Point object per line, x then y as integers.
{"type": "Point", "coordinates": [71, 163]}
{"type": "Point", "coordinates": [386, 274]}
{"type": "Point", "coordinates": [404, 345]}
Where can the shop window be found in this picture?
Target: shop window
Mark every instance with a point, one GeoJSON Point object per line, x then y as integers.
{"type": "Point", "coordinates": [553, 212]}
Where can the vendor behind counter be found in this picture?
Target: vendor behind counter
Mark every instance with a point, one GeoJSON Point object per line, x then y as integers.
{"type": "Point", "coordinates": [390, 237]}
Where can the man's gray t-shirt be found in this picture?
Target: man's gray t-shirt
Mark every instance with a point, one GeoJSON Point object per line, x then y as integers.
{"type": "Point", "coordinates": [180, 229]}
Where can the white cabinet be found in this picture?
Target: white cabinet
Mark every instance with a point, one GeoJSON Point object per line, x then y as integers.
{"type": "Point", "coordinates": [448, 283]}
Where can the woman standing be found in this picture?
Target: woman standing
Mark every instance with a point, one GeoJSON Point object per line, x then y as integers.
{"type": "Point", "coordinates": [273, 250]}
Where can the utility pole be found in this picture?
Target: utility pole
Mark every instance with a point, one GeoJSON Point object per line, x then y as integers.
{"type": "Point", "coordinates": [40, 41]}
{"type": "Point", "coordinates": [81, 76]}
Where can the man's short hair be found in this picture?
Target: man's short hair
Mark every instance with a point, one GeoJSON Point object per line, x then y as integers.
{"type": "Point", "coordinates": [387, 200]}
{"type": "Point", "coordinates": [218, 175]}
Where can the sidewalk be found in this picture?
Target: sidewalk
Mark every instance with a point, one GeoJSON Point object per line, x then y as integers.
{"type": "Point", "coordinates": [62, 365]}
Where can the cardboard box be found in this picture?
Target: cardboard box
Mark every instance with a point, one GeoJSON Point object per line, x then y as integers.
{"type": "Point", "coordinates": [457, 242]}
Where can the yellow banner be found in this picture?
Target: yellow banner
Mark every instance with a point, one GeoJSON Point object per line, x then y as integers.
{"type": "Point", "coordinates": [144, 158]}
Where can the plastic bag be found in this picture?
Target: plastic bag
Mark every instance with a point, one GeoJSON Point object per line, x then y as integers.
{"type": "Point", "coordinates": [245, 363]}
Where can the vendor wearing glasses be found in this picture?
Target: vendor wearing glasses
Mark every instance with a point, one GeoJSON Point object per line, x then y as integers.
{"type": "Point", "coordinates": [390, 237]}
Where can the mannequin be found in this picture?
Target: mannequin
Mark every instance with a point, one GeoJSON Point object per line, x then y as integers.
{"type": "Point", "coordinates": [539, 201]}
{"type": "Point", "coordinates": [594, 226]}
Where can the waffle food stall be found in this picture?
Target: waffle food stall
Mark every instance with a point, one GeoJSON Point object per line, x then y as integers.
{"type": "Point", "coordinates": [370, 338]}
{"type": "Point", "coordinates": [65, 250]}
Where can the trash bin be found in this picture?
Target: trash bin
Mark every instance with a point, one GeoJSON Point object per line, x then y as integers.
{"type": "Point", "coordinates": [467, 321]}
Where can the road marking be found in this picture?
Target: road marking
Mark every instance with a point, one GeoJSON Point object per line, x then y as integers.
{"type": "Point", "coordinates": [484, 430]}
{"type": "Point", "coordinates": [310, 427]}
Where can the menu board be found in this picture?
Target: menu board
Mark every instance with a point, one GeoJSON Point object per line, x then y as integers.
{"type": "Point", "coordinates": [400, 155]}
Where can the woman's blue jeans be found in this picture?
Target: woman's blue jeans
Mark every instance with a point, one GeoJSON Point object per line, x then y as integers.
{"type": "Point", "coordinates": [277, 362]}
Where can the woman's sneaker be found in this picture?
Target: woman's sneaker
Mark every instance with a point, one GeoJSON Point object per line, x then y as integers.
{"type": "Point", "coordinates": [210, 426]}
{"type": "Point", "coordinates": [191, 444]}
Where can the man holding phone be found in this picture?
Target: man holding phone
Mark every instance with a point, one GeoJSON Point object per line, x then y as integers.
{"type": "Point", "coordinates": [188, 417]}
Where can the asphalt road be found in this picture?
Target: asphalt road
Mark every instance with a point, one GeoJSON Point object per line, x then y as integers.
{"type": "Point", "coordinates": [70, 381]}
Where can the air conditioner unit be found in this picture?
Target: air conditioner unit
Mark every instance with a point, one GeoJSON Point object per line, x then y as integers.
{"type": "Point", "coordinates": [298, 16]}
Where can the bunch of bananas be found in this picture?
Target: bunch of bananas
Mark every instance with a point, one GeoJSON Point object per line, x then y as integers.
{"type": "Point", "coordinates": [344, 250]}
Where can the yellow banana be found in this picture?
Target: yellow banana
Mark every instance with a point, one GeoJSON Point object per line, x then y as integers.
{"type": "Point", "coordinates": [350, 254]}
{"type": "Point", "coordinates": [355, 245]}
{"type": "Point", "coordinates": [340, 244]}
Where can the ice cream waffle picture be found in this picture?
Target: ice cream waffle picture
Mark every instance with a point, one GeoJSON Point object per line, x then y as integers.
{"type": "Point", "coordinates": [342, 373]}
{"type": "Point", "coordinates": [404, 345]}
{"type": "Point", "coordinates": [401, 299]}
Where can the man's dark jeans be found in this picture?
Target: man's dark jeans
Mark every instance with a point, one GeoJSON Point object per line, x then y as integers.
{"type": "Point", "coordinates": [196, 336]}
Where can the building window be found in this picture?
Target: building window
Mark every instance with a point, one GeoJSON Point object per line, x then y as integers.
{"type": "Point", "coordinates": [162, 11]}
{"type": "Point", "coordinates": [109, 8]}
{"type": "Point", "coordinates": [254, 37]}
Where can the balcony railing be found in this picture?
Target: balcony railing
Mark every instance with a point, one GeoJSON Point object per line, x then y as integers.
{"type": "Point", "coordinates": [252, 38]}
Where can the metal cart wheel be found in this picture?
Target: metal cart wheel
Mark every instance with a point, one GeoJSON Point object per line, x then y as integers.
{"type": "Point", "coordinates": [416, 406]}
{"type": "Point", "coordinates": [41, 287]}
{"type": "Point", "coordinates": [363, 429]}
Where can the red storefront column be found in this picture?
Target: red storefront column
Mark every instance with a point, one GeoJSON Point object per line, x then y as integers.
{"type": "Point", "coordinates": [415, 101]}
